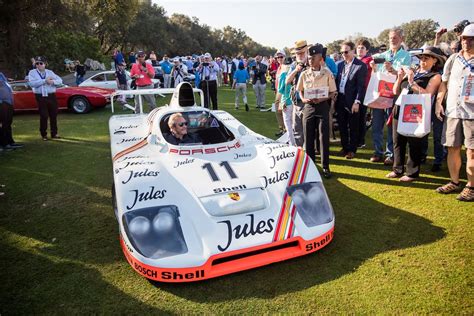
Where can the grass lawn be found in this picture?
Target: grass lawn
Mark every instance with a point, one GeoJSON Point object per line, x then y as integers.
{"type": "Point", "coordinates": [398, 248]}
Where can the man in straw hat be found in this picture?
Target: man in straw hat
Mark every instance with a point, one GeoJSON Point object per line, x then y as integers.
{"type": "Point", "coordinates": [301, 52]}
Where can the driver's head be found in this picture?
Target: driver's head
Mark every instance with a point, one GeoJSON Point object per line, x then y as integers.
{"type": "Point", "coordinates": [178, 125]}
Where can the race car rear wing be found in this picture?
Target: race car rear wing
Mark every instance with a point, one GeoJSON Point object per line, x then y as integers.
{"type": "Point", "coordinates": [140, 93]}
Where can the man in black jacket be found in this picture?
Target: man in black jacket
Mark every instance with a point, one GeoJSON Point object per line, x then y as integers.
{"type": "Point", "coordinates": [259, 81]}
{"type": "Point", "coordinates": [350, 81]}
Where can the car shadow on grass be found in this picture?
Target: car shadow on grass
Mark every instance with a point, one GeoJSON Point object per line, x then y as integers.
{"type": "Point", "coordinates": [51, 287]}
{"type": "Point", "coordinates": [364, 229]}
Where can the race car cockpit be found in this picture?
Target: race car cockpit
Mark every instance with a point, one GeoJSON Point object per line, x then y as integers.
{"type": "Point", "coordinates": [204, 125]}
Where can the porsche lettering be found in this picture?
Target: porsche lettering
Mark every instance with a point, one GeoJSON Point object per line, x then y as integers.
{"type": "Point", "coordinates": [204, 151]}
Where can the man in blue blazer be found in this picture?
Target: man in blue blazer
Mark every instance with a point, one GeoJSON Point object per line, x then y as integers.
{"type": "Point", "coordinates": [350, 81]}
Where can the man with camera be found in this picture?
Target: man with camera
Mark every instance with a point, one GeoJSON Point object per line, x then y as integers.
{"type": "Point", "coordinates": [259, 81]}
{"type": "Point", "coordinates": [458, 29]}
{"type": "Point", "coordinates": [178, 72]}
{"type": "Point", "coordinates": [208, 71]}
{"type": "Point", "coordinates": [316, 87]}
{"type": "Point", "coordinates": [389, 61]}
{"type": "Point", "coordinates": [143, 72]}
{"type": "Point", "coordinates": [300, 50]}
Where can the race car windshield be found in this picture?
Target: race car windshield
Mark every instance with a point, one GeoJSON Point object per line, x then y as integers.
{"type": "Point", "coordinates": [201, 125]}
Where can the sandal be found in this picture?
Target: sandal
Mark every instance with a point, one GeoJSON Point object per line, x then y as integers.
{"type": "Point", "coordinates": [393, 174]}
{"type": "Point", "coordinates": [466, 195]}
{"type": "Point", "coordinates": [449, 188]}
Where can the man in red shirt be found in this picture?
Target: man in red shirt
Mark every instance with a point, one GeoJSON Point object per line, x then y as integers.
{"type": "Point", "coordinates": [143, 72]}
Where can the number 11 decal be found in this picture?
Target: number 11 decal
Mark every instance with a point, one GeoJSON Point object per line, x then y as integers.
{"type": "Point", "coordinates": [213, 174]}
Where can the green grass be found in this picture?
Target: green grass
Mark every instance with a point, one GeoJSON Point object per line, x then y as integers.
{"type": "Point", "coordinates": [398, 248]}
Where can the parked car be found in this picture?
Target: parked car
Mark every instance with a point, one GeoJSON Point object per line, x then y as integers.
{"type": "Point", "coordinates": [226, 201]}
{"type": "Point", "coordinates": [106, 79]}
{"type": "Point", "coordinates": [78, 99]}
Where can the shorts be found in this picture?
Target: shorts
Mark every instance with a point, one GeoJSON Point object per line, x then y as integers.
{"type": "Point", "coordinates": [456, 130]}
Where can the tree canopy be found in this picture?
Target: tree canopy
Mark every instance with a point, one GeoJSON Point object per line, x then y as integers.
{"type": "Point", "coordinates": [60, 29]}
{"type": "Point", "coordinates": [81, 29]}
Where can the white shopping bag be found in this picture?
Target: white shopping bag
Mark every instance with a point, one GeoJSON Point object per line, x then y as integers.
{"type": "Point", "coordinates": [414, 118]}
{"type": "Point", "coordinates": [379, 94]}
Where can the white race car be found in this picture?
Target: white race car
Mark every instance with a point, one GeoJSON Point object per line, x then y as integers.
{"type": "Point", "coordinates": [235, 200]}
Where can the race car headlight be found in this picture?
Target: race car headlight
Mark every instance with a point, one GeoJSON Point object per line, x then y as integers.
{"type": "Point", "coordinates": [155, 232]}
{"type": "Point", "coordinates": [312, 203]}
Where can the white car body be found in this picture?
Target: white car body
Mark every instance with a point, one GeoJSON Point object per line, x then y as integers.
{"type": "Point", "coordinates": [235, 201]}
{"type": "Point", "coordinates": [106, 79]}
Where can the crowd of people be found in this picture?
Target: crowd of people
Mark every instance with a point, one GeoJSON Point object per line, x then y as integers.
{"type": "Point", "coordinates": [312, 88]}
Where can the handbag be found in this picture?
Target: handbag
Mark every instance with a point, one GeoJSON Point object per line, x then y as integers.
{"type": "Point", "coordinates": [414, 118]}
{"type": "Point", "coordinates": [379, 94]}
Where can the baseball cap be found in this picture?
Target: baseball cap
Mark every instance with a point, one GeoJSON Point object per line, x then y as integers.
{"type": "Point", "coordinates": [280, 52]}
{"type": "Point", "coordinates": [468, 31]}
{"type": "Point", "coordinates": [316, 49]}
{"type": "Point", "coordinates": [40, 59]}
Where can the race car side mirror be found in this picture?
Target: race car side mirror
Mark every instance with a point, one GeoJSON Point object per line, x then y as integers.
{"type": "Point", "coordinates": [155, 140]}
{"type": "Point", "coordinates": [242, 130]}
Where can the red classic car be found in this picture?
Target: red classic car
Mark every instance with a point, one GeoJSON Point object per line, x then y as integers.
{"type": "Point", "coordinates": [78, 99]}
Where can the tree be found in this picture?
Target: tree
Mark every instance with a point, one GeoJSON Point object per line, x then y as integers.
{"type": "Point", "coordinates": [334, 46]}
{"type": "Point", "coordinates": [416, 33]}
{"type": "Point", "coordinates": [419, 32]}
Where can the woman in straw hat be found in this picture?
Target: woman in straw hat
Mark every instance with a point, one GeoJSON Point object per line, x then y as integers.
{"type": "Point", "coordinates": [425, 80]}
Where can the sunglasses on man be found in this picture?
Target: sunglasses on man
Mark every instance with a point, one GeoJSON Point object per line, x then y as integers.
{"type": "Point", "coordinates": [345, 52]}
{"type": "Point", "coordinates": [182, 124]}
{"type": "Point", "coordinates": [39, 63]}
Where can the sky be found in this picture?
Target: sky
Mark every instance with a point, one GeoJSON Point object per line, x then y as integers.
{"type": "Point", "coordinates": [280, 23]}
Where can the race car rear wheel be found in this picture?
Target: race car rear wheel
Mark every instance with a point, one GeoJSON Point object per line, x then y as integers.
{"type": "Point", "coordinates": [80, 105]}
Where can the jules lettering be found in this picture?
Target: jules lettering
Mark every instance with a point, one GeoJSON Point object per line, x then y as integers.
{"type": "Point", "coordinates": [248, 229]}
{"type": "Point", "coordinates": [140, 174]}
{"type": "Point", "coordinates": [183, 162]}
{"type": "Point", "coordinates": [282, 156]}
{"type": "Point", "coordinates": [241, 156]}
{"type": "Point", "coordinates": [278, 177]}
{"type": "Point", "coordinates": [151, 194]}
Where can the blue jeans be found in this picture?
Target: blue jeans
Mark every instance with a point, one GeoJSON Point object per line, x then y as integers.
{"type": "Point", "coordinates": [79, 79]}
{"type": "Point", "coordinates": [438, 149]}
{"type": "Point", "coordinates": [379, 118]}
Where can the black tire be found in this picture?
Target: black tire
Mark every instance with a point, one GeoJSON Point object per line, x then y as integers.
{"type": "Point", "coordinates": [80, 105]}
{"type": "Point", "coordinates": [114, 201]}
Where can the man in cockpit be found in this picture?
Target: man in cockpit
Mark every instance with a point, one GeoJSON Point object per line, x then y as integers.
{"type": "Point", "coordinates": [179, 131]}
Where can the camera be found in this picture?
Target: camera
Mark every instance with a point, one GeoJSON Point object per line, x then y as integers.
{"type": "Point", "coordinates": [458, 28]}
{"type": "Point", "coordinates": [143, 64]}
{"type": "Point", "coordinates": [379, 60]}
{"type": "Point", "coordinates": [205, 64]}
